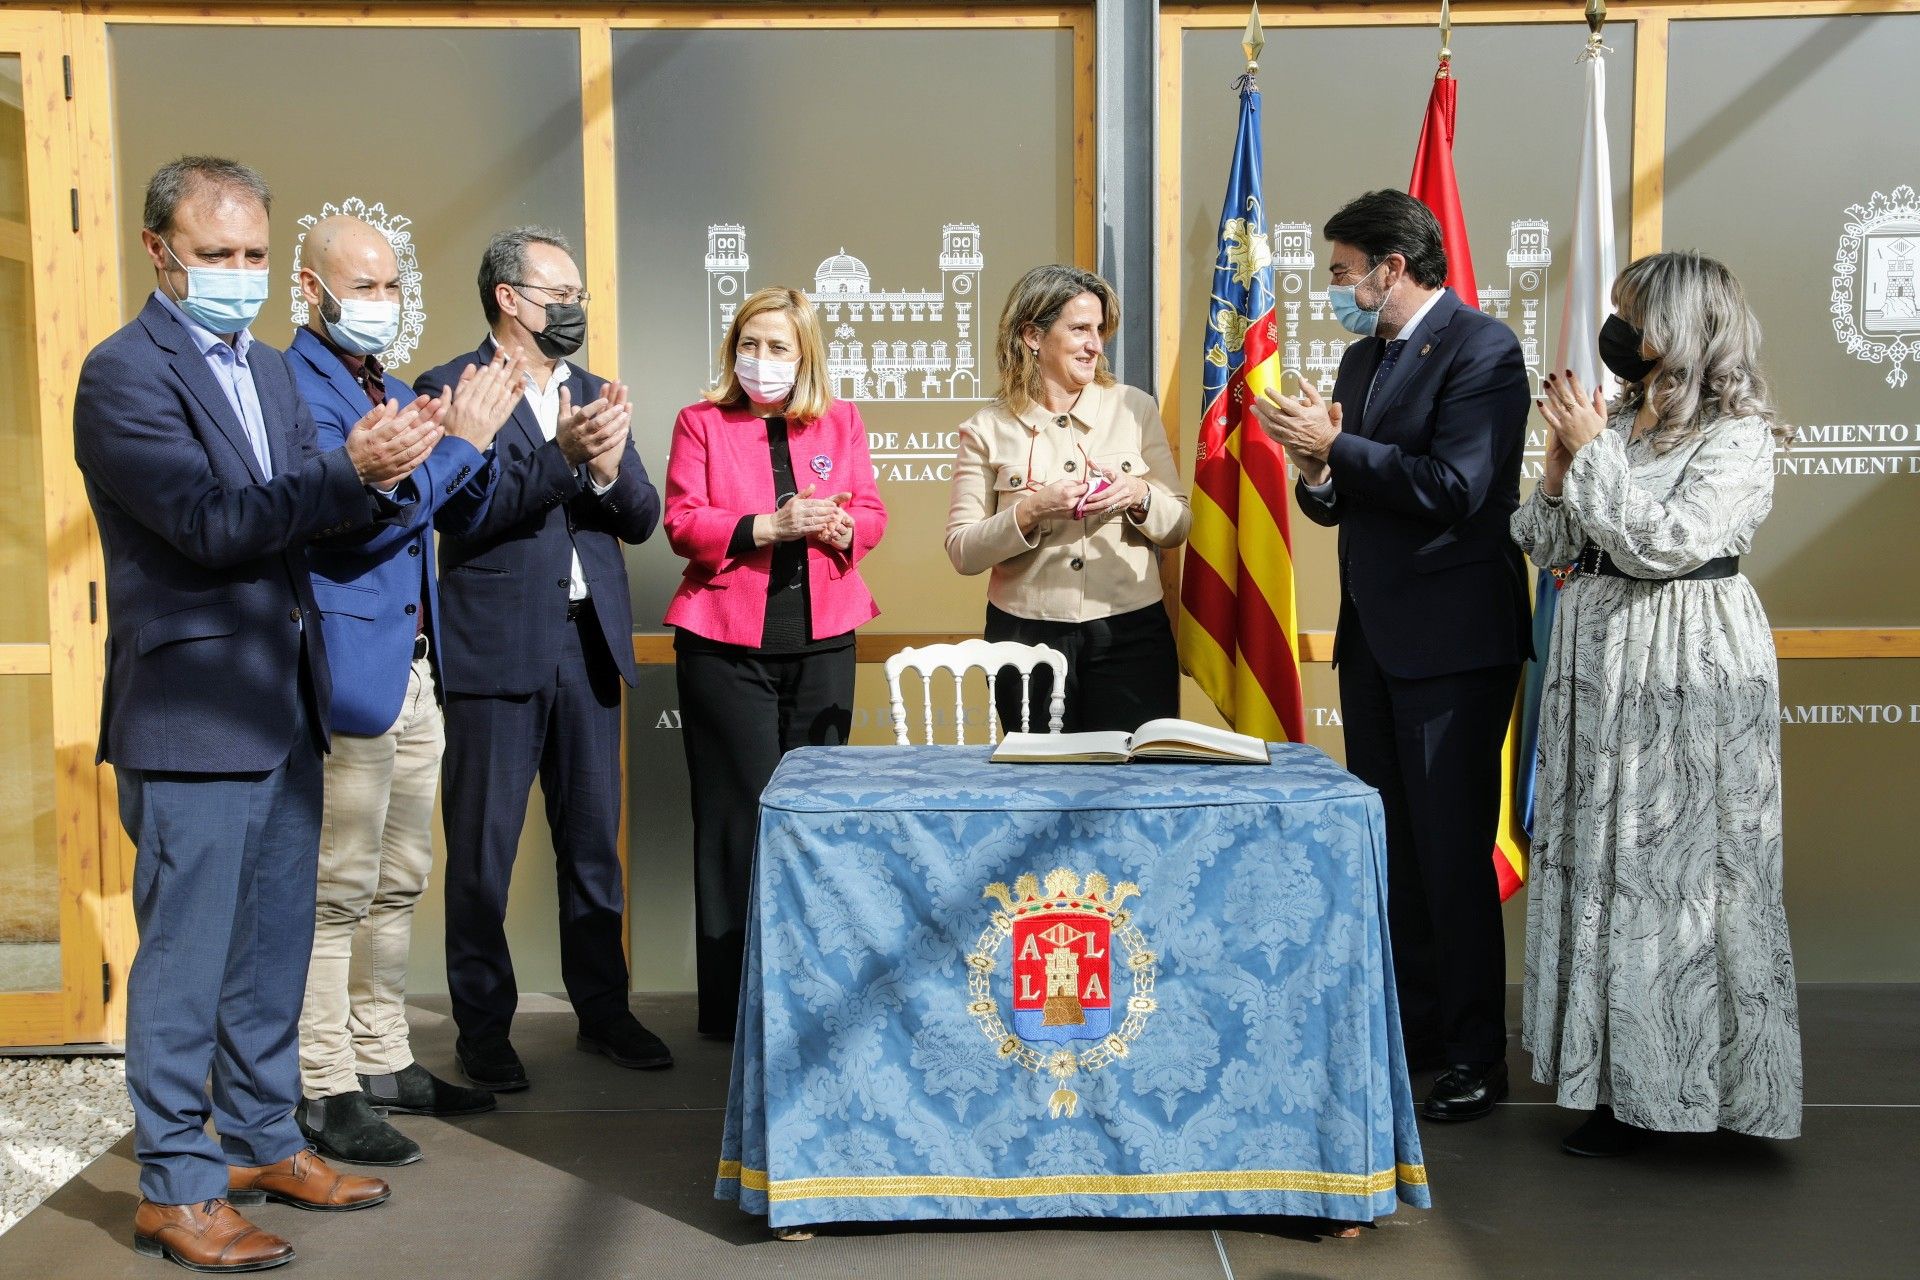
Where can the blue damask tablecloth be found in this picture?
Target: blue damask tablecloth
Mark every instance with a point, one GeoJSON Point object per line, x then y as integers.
{"type": "Point", "coordinates": [1025, 991]}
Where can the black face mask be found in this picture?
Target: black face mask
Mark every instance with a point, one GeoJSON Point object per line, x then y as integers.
{"type": "Point", "coordinates": [566, 330]}
{"type": "Point", "coordinates": [1620, 350]}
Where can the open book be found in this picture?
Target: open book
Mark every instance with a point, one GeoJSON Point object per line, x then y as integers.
{"type": "Point", "coordinates": [1154, 740]}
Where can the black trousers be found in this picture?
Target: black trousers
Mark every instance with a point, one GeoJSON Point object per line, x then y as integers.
{"type": "Point", "coordinates": [739, 714]}
{"type": "Point", "coordinates": [1122, 671]}
{"type": "Point", "coordinates": [568, 733]}
{"type": "Point", "coordinates": [1432, 748]}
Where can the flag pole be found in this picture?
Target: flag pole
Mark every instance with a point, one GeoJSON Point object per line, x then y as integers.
{"type": "Point", "coordinates": [1596, 22]}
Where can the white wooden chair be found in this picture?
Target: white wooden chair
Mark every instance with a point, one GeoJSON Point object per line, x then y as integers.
{"type": "Point", "coordinates": [976, 655]}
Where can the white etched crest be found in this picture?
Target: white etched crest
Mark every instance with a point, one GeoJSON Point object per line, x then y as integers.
{"type": "Point", "coordinates": [395, 227]}
{"type": "Point", "coordinates": [882, 344]}
{"type": "Point", "coordinates": [1876, 310]}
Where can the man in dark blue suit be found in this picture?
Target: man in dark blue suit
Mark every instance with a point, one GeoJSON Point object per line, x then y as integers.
{"type": "Point", "coordinates": [1417, 461]}
{"type": "Point", "coordinates": [379, 605]}
{"type": "Point", "coordinates": [539, 636]}
{"type": "Point", "coordinates": [207, 481]}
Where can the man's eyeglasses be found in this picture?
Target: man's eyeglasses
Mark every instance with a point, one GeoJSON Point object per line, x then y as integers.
{"type": "Point", "coordinates": [565, 296]}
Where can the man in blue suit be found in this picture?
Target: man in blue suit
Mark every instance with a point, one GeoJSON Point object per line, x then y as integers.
{"type": "Point", "coordinates": [207, 480]}
{"type": "Point", "coordinates": [379, 605]}
{"type": "Point", "coordinates": [539, 636]}
{"type": "Point", "coordinates": [1417, 461]}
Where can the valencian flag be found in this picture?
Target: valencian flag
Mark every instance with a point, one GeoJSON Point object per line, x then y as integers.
{"type": "Point", "coordinates": [1239, 637]}
{"type": "Point", "coordinates": [1434, 185]}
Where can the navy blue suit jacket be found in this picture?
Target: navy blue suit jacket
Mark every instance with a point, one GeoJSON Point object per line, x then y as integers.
{"type": "Point", "coordinates": [369, 586]}
{"type": "Point", "coordinates": [210, 612]}
{"type": "Point", "coordinates": [504, 579]}
{"type": "Point", "coordinates": [1424, 483]}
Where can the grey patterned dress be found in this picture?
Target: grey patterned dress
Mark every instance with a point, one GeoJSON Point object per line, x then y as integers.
{"type": "Point", "coordinates": [1659, 976]}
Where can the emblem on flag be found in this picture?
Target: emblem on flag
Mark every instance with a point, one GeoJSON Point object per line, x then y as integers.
{"type": "Point", "coordinates": [1061, 979]}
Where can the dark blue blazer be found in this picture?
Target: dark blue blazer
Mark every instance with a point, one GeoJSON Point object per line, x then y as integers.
{"type": "Point", "coordinates": [504, 578]}
{"type": "Point", "coordinates": [210, 611]}
{"type": "Point", "coordinates": [1424, 483]}
{"type": "Point", "coordinates": [368, 585]}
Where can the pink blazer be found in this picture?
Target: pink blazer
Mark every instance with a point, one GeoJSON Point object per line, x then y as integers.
{"type": "Point", "coordinates": [720, 469]}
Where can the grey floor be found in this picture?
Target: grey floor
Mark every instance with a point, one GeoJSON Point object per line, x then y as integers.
{"type": "Point", "coordinates": [598, 1172]}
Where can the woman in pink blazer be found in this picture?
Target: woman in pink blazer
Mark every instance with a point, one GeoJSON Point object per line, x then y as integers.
{"type": "Point", "coordinates": [770, 497]}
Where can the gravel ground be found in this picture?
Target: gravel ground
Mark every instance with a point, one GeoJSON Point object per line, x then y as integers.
{"type": "Point", "coordinates": [56, 1115]}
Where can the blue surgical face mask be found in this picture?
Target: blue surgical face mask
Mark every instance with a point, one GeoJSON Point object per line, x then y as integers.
{"type": "Point", "coordinates": [363, 328]}
{"type": "Point", "coordinates": [221, 299]}
{"type": "Point", "coordinates": [1353, 317]}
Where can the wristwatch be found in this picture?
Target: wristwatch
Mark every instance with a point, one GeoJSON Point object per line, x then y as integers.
{"type": "Point", "coordinates": [1139, 512]}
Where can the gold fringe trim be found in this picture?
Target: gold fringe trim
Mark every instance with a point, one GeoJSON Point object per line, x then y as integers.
{"type": "Point", "coordinates": [1076, 1184]}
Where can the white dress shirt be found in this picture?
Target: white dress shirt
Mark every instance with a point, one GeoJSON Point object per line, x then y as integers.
{"type": "Point", "coordinates": [545, 404]}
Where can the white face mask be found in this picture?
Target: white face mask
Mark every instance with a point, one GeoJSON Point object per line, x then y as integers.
{"type": "Point", "coordinates": [766, 381]}
{"type": "Point", "coordinates": [364, 328]}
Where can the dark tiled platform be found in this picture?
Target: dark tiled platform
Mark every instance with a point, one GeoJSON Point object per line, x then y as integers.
{"type": "Point", "coordinates": [598, 1172]}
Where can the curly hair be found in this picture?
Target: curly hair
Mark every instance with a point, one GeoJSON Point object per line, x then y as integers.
{"type": "Point", "coordinates": [1694, 317]}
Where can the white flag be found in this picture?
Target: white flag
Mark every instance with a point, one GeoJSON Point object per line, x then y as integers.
{"type": "Point", "coordinates": [1590, 274]}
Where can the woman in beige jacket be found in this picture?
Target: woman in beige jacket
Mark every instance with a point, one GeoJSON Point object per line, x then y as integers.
{"type": "Point", "coordinates": [1064, 489]}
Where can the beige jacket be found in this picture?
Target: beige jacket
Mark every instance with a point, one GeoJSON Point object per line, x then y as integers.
{"type": "Point", "coordinates": [1067, 570]}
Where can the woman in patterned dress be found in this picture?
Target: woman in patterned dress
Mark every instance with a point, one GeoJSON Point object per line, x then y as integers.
{"type": "Point", "coordinates": [1660, 991]}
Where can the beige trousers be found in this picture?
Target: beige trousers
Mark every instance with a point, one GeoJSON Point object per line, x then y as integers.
{"type": "Point", "coordinates": [376, 848]}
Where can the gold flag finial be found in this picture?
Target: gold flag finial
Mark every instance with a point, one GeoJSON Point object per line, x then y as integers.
{"type": "Point", "coordinates": [1596, 16]}
{"type": "Point", "coordinates": [1254, 40]}
{"type": "Point", "coordinates": [1446, 29]}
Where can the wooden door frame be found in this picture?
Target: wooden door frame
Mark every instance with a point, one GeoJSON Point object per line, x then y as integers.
{"type": "Point", "coordinates": [71, 657]}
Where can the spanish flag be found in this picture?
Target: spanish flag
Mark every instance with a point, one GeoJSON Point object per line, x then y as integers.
{"type": "Point", "coordinates": [1434, 185]}
{"type": "Point", "coordinates": [1239, 636]}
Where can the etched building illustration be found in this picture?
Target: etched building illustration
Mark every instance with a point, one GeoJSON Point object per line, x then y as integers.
{"type": "Point", "coordinates": [881, 344]}
{"type": "Point", "coordinates": [1522, 303]}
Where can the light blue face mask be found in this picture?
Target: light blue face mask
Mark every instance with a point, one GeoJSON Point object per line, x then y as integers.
{"type": "Point", "coordinates": [222, 299]}
{"type": "Point", "coordinates": [1353, 317]}
{"type": "Point", "coordinates": [364, 328]}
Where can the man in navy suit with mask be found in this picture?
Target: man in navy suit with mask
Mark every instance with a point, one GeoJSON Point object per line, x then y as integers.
{"type": "Point", "coordinates": [207, 481]}
{"type": "Point", "coordinates": [379, 605]}
{"type": "Point", "coordinates": [1417, 462]}
{"type": "Point", "coordinates": [538, 632]}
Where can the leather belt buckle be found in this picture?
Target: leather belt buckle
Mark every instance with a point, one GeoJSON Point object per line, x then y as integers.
{"type": "Point", "coordinates": [419, 646]}
{"type": "Point", "coordinates": [575, 608]}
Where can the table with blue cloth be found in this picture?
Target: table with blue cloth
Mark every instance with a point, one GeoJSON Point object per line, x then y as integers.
{"type": "Point", "coordinates": [1032, 991]}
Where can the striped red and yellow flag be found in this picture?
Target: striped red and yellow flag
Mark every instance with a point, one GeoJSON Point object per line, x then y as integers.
{"type": "Point", "coordinates": [1239, 636]}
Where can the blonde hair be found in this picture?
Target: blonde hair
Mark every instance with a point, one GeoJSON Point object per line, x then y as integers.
{"type": "Point", "coordinates": [1037, 299]}
{"type": "Point", "coordinates": [812, 393]}
{"type": "Point", "coordinates": [1694, 316]}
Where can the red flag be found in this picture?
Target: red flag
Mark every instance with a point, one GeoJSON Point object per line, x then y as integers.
{"type": "Point", "coordinates": [1434, 186]}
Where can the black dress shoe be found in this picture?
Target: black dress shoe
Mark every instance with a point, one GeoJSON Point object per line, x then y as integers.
{"type": "Point", "coordinates": [491, 1064]}
{"type": "Point", "coordinates": [625, 1042]}
{"type": "Point", "coordinates": [415, 1091]}
{"type": "Point", "coordinates": [344, 1126]}
{"type": "Point", "coordinates": [1602, 1135]}
{"type": "Point", "coordinates": [1466, 1091]}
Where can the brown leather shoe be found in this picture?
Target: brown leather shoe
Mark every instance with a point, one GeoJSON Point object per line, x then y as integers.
{"type": "Point", "coordinates": [210, 1236]}
{"type": "Point", "coordinates": [304, 1181]}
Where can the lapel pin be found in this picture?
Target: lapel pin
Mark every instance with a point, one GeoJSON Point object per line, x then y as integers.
{"type": "Point", "coordinates": [822, 465]}
{"type": "Point", "coordinates": [1424, 350]}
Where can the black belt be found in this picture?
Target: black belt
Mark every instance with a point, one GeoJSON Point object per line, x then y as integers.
{"type": "Point", "coordinates": [577, 607]}
{"type": "Point", "coordinates": [1594, 560]}
{"type": "Point", "coordinates": [419, 646]}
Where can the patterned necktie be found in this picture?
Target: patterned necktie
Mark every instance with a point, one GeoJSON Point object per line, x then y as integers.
{"type": "Point", "coordinates": [1387, 362]}
{"type": "Point", "coordinates": [372, 378]}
